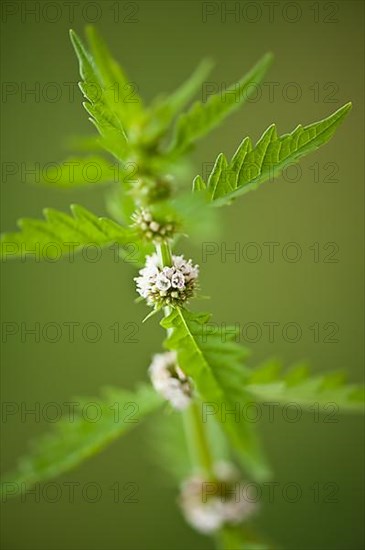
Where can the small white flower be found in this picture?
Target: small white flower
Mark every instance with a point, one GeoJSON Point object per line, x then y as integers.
{"type": "Point", "coordinates": [162, 282]}
{"type": "Point", "coordinates": [152, 261]}
{"type": "Point", "coordinates": [208, 506]}
{"type": "Point", "coordinates": [154, 226]}
{"type": "Point", "coordinates": [167, 286]}
{"type": "Point", "coordinates": [147, 215]}
{"type": "Point", "coordinates": [168, 271]}
{"type": "Point", "coordinates": [177, 280]}
{"type": "Point", "coordinates": [169, 380]}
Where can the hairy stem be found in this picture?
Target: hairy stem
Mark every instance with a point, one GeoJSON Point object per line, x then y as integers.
{"type": "Point", "coordinates": [197, 441]}
{"type": "Point", "coordinates": [195, 432]}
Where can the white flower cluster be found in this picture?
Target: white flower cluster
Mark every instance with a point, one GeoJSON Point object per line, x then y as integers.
{"type": "Point", "coordinates": [150, 228]}
{"type": "Point", "coordinates": [169, 380]}
{"type": "Point", "coordinates": [208, 506]}
{"type": "Point", "coordinates": [166, 286]}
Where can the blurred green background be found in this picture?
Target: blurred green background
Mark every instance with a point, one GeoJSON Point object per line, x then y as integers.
{"type": "Point", "coordinates": [318, 49]}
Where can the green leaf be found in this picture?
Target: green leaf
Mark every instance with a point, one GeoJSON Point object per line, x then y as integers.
{"type": "Point", "coordinates": [164, 109]}
{"type": "Point", "coordinates": [268, 383]}
{"type": "Point", "coordinates": [84, 144]}
{"type": "Point", "coordinates": [202, 117]}
{"type": "Point", "coordinates": [196, 218]}
{"type": "Point", "coordinates": [91, 170]}
{"type": "Point", "coordinates": [81, 172]}
{"type": "Point", "coordinates": [125, 99]}
{"type": "Point", "coordinates": [211, 357]}
{"type": "Point", "coordinates": [120, 204]}
{"type": "Point", "coordinates": [76, 438]}
{"type": "Point", "coordinates": [101, 104]}
{"type": "Point", "coordinates": [168, 445]}
{"type": "Point", "coordinates": [250, 166]}
{"type": "Point", "coordinates": [62, 235]}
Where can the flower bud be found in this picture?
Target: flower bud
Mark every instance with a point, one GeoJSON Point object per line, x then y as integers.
{"type": "Point", "coordinates": [150, 228]}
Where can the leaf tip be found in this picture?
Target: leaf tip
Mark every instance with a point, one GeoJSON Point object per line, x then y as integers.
{"type": "Point", "coordinates": [268, 58]}
{"type": "Point", "coordinates": [344, 109]}
{"type": "Point", "coordinates": [91, 32]}
{"type": "Point", "coordinates": [76, 210]}
{"type": "Point", "coordinates": [73, 36]}
{"type": "Point", "coordinates": [348, 106]}
{"type": "Point", "coordinates": [46, 212]}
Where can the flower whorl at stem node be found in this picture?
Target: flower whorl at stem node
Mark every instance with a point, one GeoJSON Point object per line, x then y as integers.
{"type": "Point", "coordinates": [149, 190]}
{"type": "Point", "coordinates": [150, 228]}
{"type": "Point", "coordinates": [167, 286]}
{"type": "Point", "coordinates": [209, 505]}
{"type": "Point", "coordinates": [169, 380]}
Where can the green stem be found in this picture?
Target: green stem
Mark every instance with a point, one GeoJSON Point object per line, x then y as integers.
{"type": "Point", "coordinates": [229, 538]}
{"type": "Point", "coordinates": [164, 252]}
{"type": "Point", "coordinates": [197, 441]}
{"type": "Point", "coordinates": [195, 431]}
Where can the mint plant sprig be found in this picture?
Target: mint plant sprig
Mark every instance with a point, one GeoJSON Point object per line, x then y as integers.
{"type": "Point", "coordinates": [200, 366]}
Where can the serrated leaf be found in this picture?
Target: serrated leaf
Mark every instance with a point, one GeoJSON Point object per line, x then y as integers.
{"type": "Point", "coordinates": [300, 387]}
{"type": "Point", "coordinates": [101, 104]}
{"type": "Point", "coordinates": [268, 372]}
{"type": "Point", "coordinates": [168, 445]}
{"type": "Point", "coordinates": [164, 109]}
{"type": "Point", "coordinates": [61, 234]}
{"type": "Point", "coordinates": [250, 166]}
{"type": "Point", "coordinates": [120, 204]}
{"type": "Point", "coordinates": [84, 144]}
{"type": "Point", "coordinates": [211, 357]}
{"type": "Point", "coordinates": [125, 99]}
{"type": "Point", "coordinates": [202, 117]}
{"type": "Point", "coordinates": [76, 437]}
{"type": "Point", "coordinates": [199, 184]}
{"type": "Point", "coordinates": [81, 172]}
